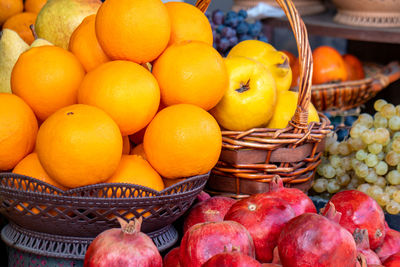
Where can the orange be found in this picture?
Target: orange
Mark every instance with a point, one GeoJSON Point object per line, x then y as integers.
{"type": "Point", "coordinates": [137, 138]}
{"type": "Point", "coordinates": [20, 23]}
{"type": "Point", "coordinates": [139, 151]}
{"type": "Point", "coordinates": [191, 72]}
{"type": "Point", "coordinates": [34, 5]}
{"type": "Point", "coordinates": [18, 130]}
{"type": "Point", "coordinates": [133, 30]}
{"type": "Point", "coordinates": [171, 182]}
{"type": "Point", "coordinates": [84, 45]}
{"type": "Point", "coordinates": [30, 166]}
{"type": "Point", "coordinates": [188, 23]}
{"type": "Point", "coordinates": [9, 8]}
{"type": "Point", "coordinates": [47, 78]}
{"type": "Point", "coordinates": [292, 58]}
{"type": "Point", "coordinates": [125, 90]}
{"type": "Point", "coordinates": [328, 66]}
{"type": "Point", "coordinates": [182, 140]}
{"type": "Point", "coordinates": [126, 145]}
{"type": "Point", "coordinates": [79, 145]}
{"type": "Point", "coordinates": [134, 169]}
{"type": "Point", "coordinates": [354, 68]}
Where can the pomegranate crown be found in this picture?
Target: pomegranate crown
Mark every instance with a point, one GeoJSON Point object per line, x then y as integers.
{"type": "Point", "coordinates": [276, 184]}
{"type": "Point", "coordinates": [130, 227]}
{"type": "Point", "coordinates": [331, 213]}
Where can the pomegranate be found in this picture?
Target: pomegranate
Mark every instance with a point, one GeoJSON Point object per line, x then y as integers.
{"type": "Point", "coordinates": [126, 247]}
{"type": "Point", "coordinates": [264, 217]}
{"type": "Point", "coordinates": [202, 196]}
{"type": "Point", "coordinates": [204, 240]}
{"type": "Point", "coordinates": [313, 240]}
{"type": "Point", "coordinates": [392, 261]}
{"type": "Point", "coordinates": [210, 210]}
{"type": "Point", "coordinates": [231, 259]}
{"type": "Point", "coordinates": [361, 238]}
{"type": "Point", "coordinates": [390, 246]}
{"type": "Point", "coordinates": [172, 258]}
{"type": "Point", "coordinates": [299, 201]}
{"type": "Point", "coordinates": [360, 211]}
{"type": "Point", "coordinates": [270, 265]}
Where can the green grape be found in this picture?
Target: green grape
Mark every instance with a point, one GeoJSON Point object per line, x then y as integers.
{"type": "Point", "coordinates": [383, 199]}
{"type": "Point", "coordinates": [361, 170]}
{"type": "Point", "coordinates": [371, 160]}
{"type": "Point", "coordinates": [333, 148]}
{"type": "Point", "coordinates": [329, 171]}
{"type": "Point", "coordinates": [380, 122]}
{"type": "Point", "coordinates": [320, 169]}
{"type": "Point", "coordinates": [356, 143]}
{"type": "Point", "coordinates": [394, 123]}
{"type": "Point", "coordinates": [390, 190]}
{"type": "Point", "coordinates": [396, 135]}
{"type": "Point", "coordinates": [344, 179]}
{"type": "Point", "coordinates": [374, 191]}
{"type": "Point", "coordinates": [331, 138]}
{"type": "Point", "coordinates": [387, 148]}
{"type": "Point", "coordinates": [378, 115]}
{"type": "Point", "coordinates": [381, 135]}
{"type": "Point", "coordinates": [344, 149]}
{"type": "Point", "coordinates": [398, 110]}
{"type": "Point", "coordinates": [363, 188]}
{"type": "Point", "coordinates": [392, 158]}
{"type": "Point", "coordinates": [381, 155]}
{"type": "Point", "coordinates": [320, 185]}
{"type": "Point", "coordinates": [371, 177]}
{"type": "Point", "coordinates": [333, 186]}
{"type": "Point", "coordinates": [357, 130]}
{"type": "Point", "coordinates": [354, 163]}
{"type": "Point", "coordinates": [396, 145]}
{"type": "Point", "coordinates": [340, 171]}
{"type": "Point", "coordinates": [356, 181]}
{"type": "Point", "coordinates": [393, 177]}
{"type": "Point", "coordinates": [379, 104]}
{"type": "Point", "coordinates": [375, 148]}
{"type": "Point", "coordinates": [388, 111]}
{"type": "Point", "coordinates": [346, 164]}
{"type": "Point", "coordinates": [396, 196]}
{"type": "Point", "coordinates": [393, 207]}
{"type": "Point", "coordinates": [361, 155]}
{"type": "Point", "coordinates": [381, 168]}
{"type": "Point", "coordinates": [366, 120]}
{"type": "Point", "coordinates": [381, 182]}
{"type": "Point", "coordinates": [398, 168]}
{"type": "Point", "coordinates": [368, 137]}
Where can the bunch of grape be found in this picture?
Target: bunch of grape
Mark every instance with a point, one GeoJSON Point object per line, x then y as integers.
{"type": "Point", "coordinates": [231, 28]}
{"type": "Point", "coordinates": [369, 160]}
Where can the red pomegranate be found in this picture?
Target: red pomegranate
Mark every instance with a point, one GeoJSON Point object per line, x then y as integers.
{"type": "Point", "coordinates": [264, 217]}
{"type": "Point", "coordinates": [231, 259]}
{"type": "Point", "coordinates": [202, 196]}
{"type": "Point", "coordinates": [390, 246]}
{"type": "Point", "coordinates": [299, 201]}
{"type": "Point", "coordinates": [270, 265]}
{"type": "Point", "coordinates": [313, 240]}
{"type": "Point", "coordinates": [209, 210]}
{"type": "Point", "coordinates": [172, 258]}
{"type": "Point", "coordinates": [126, 247]}
{"type": "Point", "coordinates": [204, 240]}
{"type": "Point", "coordinates": [392, 261]}
{"type": "Point", "coordinates": [361, 238]}
{"type": "Point", "coordinates": [360, 211]}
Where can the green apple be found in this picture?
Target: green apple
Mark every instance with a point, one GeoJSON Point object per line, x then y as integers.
{"type": "Point", "coordinates": [250, 99]}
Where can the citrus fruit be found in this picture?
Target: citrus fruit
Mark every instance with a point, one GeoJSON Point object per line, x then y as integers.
{"type": "Point", "coordinates": [34, 5]}
{"type": "Point", "coordinates": [328, 66]}
{"type": "Point", "coordinates": [354, 68]}
{"type": "Point", "coordinates": [79, 145]}
{"type": "Point", "coordinates": [125, 90]}
{"type": "Point", "coordinates": [285, 108]}
{"type": "Point", "coordinates": [191, 72]}
{"type": "Point", "coordinates": [139, 151]}
{"type": "Point", "coordinates": [137, 138]}
{"type": "Point", "coordinates": [171, 182]}
{"type": "Point", "coordinates": [292, 58]}
{"type": "Point", "coordinates": [134, 169]}
{"type": "Point", "coordinates": [30, 166]}
{"type": "Point", "coordinates": [18, 129]}
{"type": "Point", "coordinates": [9, 8]}
{"type": "Point", "coordinates": [188, 23]}
{"type": "Point", "coordinates": [133, 30]}
{"type": "Point", "coordinates": [84, 45]}
{"type": "Point", "coordinates": [20, 23]}
{"type": "Point", "coordinates": [182, 140]}
{"type": "Point", "coordinates": [126, 145]}
{"type": "Point", "coordinates": [47, 78]}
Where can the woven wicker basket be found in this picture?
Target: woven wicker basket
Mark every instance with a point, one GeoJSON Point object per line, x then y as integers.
{"type": "Point", "coordinates": [250, 159]}
{"type": "Point", "coordinates": [351, 94]}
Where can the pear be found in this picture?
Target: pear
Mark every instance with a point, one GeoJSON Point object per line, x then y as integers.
{"type": "Point", "coordinates": [58, 19]}
{"type": "Point", "coordinates": [11, 46]}
{"type": "Point", "coordinates": [38, 41]}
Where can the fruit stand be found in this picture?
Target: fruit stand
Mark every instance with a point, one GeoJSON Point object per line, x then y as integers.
{"type": "Point", "coordinates": [143, 133]}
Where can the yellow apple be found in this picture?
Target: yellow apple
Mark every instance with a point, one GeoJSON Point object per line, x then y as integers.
{"type": "Point", "coordinates": [250, 99]}
{"type": "Point", "coordinates": [285, 108]}
{"type": "Point", "coordinates": [277, 62]}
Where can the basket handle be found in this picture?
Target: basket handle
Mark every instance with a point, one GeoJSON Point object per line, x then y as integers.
{"type": "Point", "coordinates": [203, 5]}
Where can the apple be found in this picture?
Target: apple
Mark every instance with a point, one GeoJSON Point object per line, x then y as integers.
{"type": "Point", "coordinates": [276, 61]}
{"type": "Point", "coordinates": [250, 99]}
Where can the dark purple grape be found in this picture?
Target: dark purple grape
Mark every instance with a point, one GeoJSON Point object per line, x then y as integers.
{"type": "Point", "coordinates": [263, 38]}
{"type": "Point", "coordinates": [255, 29]}
{"type": "Point", "coordinates": [220, 28]}
{"type": "Point", "coordinates": [218, 17]}
{"type": "Point", "coordinates": [216, 37]}
{"type": "Point", "coordinates": [233, 41]}
{"type": "Point", "coordinates": [231, 14]}
{"type": "Point", "coordinates": [223, 44]}
{"type": "Point", "coordinates": [242, 27]}
{"type": "Point", "coordinates": [228, 32]}
{"type": "Point", "coordinates": [242, 13]}
{"type": "Point", "coordinates": [245, 37]}
{"type": "Point", "coordinates": [232, 22]}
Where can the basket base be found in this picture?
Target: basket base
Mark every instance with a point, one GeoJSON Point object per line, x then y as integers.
{"type": "Point", "coordinates": [64, 247]}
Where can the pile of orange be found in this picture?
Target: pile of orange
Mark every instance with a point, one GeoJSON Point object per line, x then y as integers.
{"type": "Point", "coordinates": [330, 66]}
{"type": "Point", "coordinates": [139, 85]}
